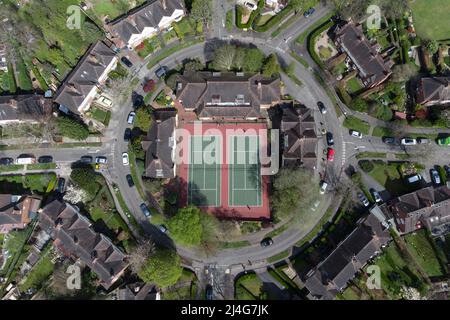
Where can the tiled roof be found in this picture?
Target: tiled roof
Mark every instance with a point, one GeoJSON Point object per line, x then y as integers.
{"type": "Point", "coordinates": [434, 90]}
{"type": "Point", "coordinates": [17, 210]}
{"type": "Point", "coordinates": [24, 107]}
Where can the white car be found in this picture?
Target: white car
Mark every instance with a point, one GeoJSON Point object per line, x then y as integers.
{"type": "Point", "coordinates": [323, 187]}
{"type": "Point", "coordinates": [130, 118]}
{"type": "Point", "coordinates": [408, 141]}
{"type": "Point", "coordinates": [356, 134]}
{"type": "Point", "coordinates": [125, 160]}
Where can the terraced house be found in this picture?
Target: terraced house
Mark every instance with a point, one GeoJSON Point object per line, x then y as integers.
{"type": "Point", "coordinates": [433, 91]}
{"type": "Point", "coordinates": [83, 84]}
{"type": "Point", "coordinates": [145, 21]}
{"type": "Point", "coordinates": [24, 108]}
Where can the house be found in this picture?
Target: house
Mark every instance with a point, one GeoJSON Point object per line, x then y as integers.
{"type": "Point", "coordinates": [159, 146]}
{"type": "Point", "coordinates": [428, 207]}
{"type": "Point", "coordinates": [227, 96]}
{"type": "Point", "coordinates": [372, 68]}
{"type": "Point", "coordinates": [74, 238]}
{"type": "Point", "coordinates": [17, 211]}
{"type": "Point", "coordinates": [331, 275]}
{"type": "Point", "coordinates": [433, 91]}
{"type": "Point", "coordinates": [24, 108]}
{"type": "Point", "coordinates": [3, 61]}
{"type": "Point", "coordinates": [298, 136]}
{"type": "Point", "coordinates": [82, 85]}
{"type": "Point", "coordinates": [272, 7]}
{"type": "Point", "coordinates": [138, 291]}
{"type": "Point", "coordinates": [144, 21]}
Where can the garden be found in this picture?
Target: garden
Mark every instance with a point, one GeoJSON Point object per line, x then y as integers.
{"type": "Point", "coordinates": [249, 287]}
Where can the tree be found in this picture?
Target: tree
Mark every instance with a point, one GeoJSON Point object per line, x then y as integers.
{"type": "Point", "coordinates": [271, 67]}
{"type": "Point", "coordinates": [359, 104]}
{"type": "Point", "coordinates": [223, 59]}
{"type": "Point", "coordinates": [140, 254]}
{"type": "Point", "coordinates": [239, 58]}
{"type": "Point", "coordinates": [253, 60]}
{"type": "Point", "coordinates": [202, 11]}
{"type": "Point", "coordinates": [185, 227]}
{"type": "Point", "coordinates": [171, 81]}
{"type": "Point", "coordinates": [85, 178]}
{"type": "Point", "coordinates": [298, 5]}
{"type": "Point", "coordinates": [72, 128]}
{"type": "Point", "coordinates": [403, 72]}
{"type": "Point", "coordinates": [163, 268]}
{"type": "Point", "coordinates": [193, 65]}
{"type": "Point", "coordinates": [143, 119]}
{"type": "Point", "coordinates": [149, 86]}
{"type": "Point", "coordinates": [136, 146]}
{"type": "Point", "coordinates": [432, 46]}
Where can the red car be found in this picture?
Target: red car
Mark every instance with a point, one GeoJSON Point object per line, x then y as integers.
{"type": "Point", "coordinates": [330, 154]}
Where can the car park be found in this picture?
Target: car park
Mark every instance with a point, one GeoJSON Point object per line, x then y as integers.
{"type": "Point", "coordinates": [101, 159]}
{"type": "Point", "coordinates": [126, 62]}
{"type": "Point", "coordinates": [6, 161]}
{"type": "Point", "coordinates": [355, 133]}
{"type": "Point", "coordinates": [45, 159]}
{"type": "Point", "coordinates": [323, 187]}
{"type": "Point", "coordinates": [423, 141]}
{"type": "Point", "coordinates": [131, 116]}
{"type": "Point", "coordinates": [321, 107]}
{"type": "Point", "coordinates": [86, 159]}
{"type": "Point", "coordinates": [309, 12]}
{"type": "Point", "coordinates": [388, 140]}
{"type": "Point", "coordinates": [161, 71]}
{"type": "Point", "coordinates": [408, 141]}
{"type": "Point", "coordinates": [375, 195]}
{"type": "Point", "coordinates": [330, 140]}
{"type": "Point", "coordinates": [266, 242]}
{"type": "Point", "coordinates": [363, 199]}
{"type": "Point", "coordinates": [60, 185]}
{"type": "Point", "coordinates": [435, 176]}
{"type": "Point", "coordinates": [330, 154]}
{"type": "Point", "coordinates": [162, 228]}
{"type": "Point", "coordinates": [130, 180]}
{"type": "Point", "coordinates": [127, 135]}
{"type": "Point", "coordinates": [125, 159]}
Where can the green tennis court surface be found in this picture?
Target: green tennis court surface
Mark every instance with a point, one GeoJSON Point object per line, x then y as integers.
{"type": "Point", "coordinates": [204, 171]}
{"type": "Point", "coordinates": [244, 171]}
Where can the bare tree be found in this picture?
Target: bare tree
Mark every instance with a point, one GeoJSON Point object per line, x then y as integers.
{"type": "Point", "coordinates": [140, 254]}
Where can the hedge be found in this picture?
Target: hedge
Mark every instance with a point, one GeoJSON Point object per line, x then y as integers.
{"type": "Point", "coordinates": [310, 40]}
{"type": "Point", "coordinates": [253, 15]}
{"type": "Point", "coordinates": [276, 19]}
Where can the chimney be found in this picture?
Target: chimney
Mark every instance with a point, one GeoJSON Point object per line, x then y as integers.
{"type": "Point", "coordinates": [164, 4]}
{"type": "Point", "coordinates": [13, 103]}
{"type": "Point", "coordinates": [259, 89]}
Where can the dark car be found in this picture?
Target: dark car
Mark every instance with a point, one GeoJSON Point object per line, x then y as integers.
{"type": "Point", "coordinates": [126, 62]}
{"type": "Point", "coordinates": [266, 242]}
{"type": "Point", "coordinates": [330, 140]}
{"type": "Point", "coordinates": [389, 140]}
{"type": "Point", "coordinates": [435, 176]}
{"type": "Point", "coordinates": [321, 107]}
{"type": "Point", "coordinates": [60, 185]}
{"type": "Point", "coordinates": [6, 161]}
{"type": "Point", "coordinates": [86, 159]}
{"type": "Point", "coordinates": [130, 180]}
{"type": "Point", "coordinates": [309, 12]}
{"type": "Point", "coordinates": [209, 292]}
{"type": "Point", "coordinates": [447, 170]}
{"type": "Point", "coordinates": [161, 72]}
{"type": "Point", "coordinates": [45, 159]}
{"type": "Point", "coordinates": [127, 135]}
{"type": "Point", "coordinates": [145, 210]}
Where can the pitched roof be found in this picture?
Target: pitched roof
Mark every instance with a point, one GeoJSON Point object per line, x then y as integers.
{"type": "Point", "coordinates": [226, 95]}
{"type": "Point", "coordinates": [74, 237]}
{"type": "Point", "coordinates": [18, 209]}
{"type": "Point", "coordinates": [24, 107]}
{"type": "Point", "coordinates": [369, 62]}
{"type": "Point", "coordinates": [433, 90]}
{"type": "Point", "coordinates": [298, 129]}
{"type": "Point", "coordinates": [148, 15]}
{"type": "Point", "coordinates": [137, 291]}
{"type": "Point", "coordinates": [84, 77]}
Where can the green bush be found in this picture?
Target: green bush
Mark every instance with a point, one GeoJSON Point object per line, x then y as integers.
{"type": "Point", "coordinates": [366, 165]}
{"type": "Point", "coordinates": [72, 128]}
{"type": "Point", "coordinates": [276, 19]}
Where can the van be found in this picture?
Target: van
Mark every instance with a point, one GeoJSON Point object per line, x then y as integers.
{"type": "Point", "coordinates": [415, 178]}
{"type": "Point", "coordinates": [26, 160]}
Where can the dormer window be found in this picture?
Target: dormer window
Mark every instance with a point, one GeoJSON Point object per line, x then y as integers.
{"type": "Point", "coordinates": [240, 99]}
{"type": "Point", "coordinates": [159, 173]}
{"type": "Point", "coordinates": [179, 85]}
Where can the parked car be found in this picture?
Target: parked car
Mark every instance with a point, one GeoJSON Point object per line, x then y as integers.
{"type": "Point", "coordinates": [435, 176]}
{"type": "Point", "coordinates": [209, 292]}
{"type": "Point", "coordinates": [323, 187]}
{"type": "Point", "coordinates": [161, 72]}
{"type": "Point", "coordinates": [389, 140]}
{"type": "Point", "coordinates": [127, 135]}
{"type": "Point", "coordinates": [423, 141]}
{"type": "Point", "coordinates": [447, 170]}
{"type": "Point", "coordinates": [60, 185]}
{"type": "Point", "coordinates": [6, 161]}
{"type": "Point", "coordinates": [355, 133]}
{"type": "Point", "coordinates": [101, 159]}
{"type": "Point", "coordinates": [375, 195]}
{"type": "Point", "coordinates": [321, 107]}
{"type": "Point", "coordinates": [363, 199]}
{"type": "Point", "coordinates": [145, 210]}
{"type": "Point", "coordinates": [131, 116]}
{"type": "Point", "coordinates": [45, 159]}
{"type": "Point", "coordinates": [309, 12]}
{"type": "Point", "coordinates": [330, 154]}
{"type": "Point", "coordinates": [86, 159]}
{"type": "Point", "coordinates": [266, 242]}
{"type": "Point", "coordinates": [443, 141]}
{"type": "Point", "coordinates": [330, 140]}
{"type": "Point", "coordinates": [126, 62]}
{"type": "Point", "coordinates": [408, 141]}
{"type": "Point", "coordinates": [414, 178]}
{"type": "Point", "coordinates": [26, 159]}
{"type": "Point", "coordinates": [162, 228]}
{"type": "Point", "coordinates": [125, 159]}
{"type": "Point", "coordinates": [130, 180]}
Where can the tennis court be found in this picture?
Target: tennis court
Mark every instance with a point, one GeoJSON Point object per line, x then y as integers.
{"type": "Point", "coordinates": [204, 171]}
{"type": "Point", "coordinates": [244, 171]}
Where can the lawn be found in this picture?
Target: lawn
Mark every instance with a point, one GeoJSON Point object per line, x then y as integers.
{"type": "Point", "coordinates": [101, 115]}
{"type": "Point", "coordinates": [423, 252]}
{"type": "Point", "coordinates": [363, 155]}
{"type": "Point", "coordinates": [149, 46]}
{"type": "Point", "coordinates": [388, 175]}
{"type": "Point", "coordinates": [168, 52]}
{"type": "Point", "coordinates": [356, 124]}
{"type": "Point", "coordinates": [353, 85]}
{"type": "Point", "coordinates": [282, 255]}
{"type": "Point", "coordinates": [111, 8]}
{"type": "Point", "coordinates": [229, 20]}
{"type": "Point", "coordinates": [185, 27]}
{"type": "Point", "coordinates": [24, 76]}
{"type": "Point", "coordinates": [40, 272]}
{"type": "Point", "coordinates": [234, 245]}
{"type": "Point", "coordinates": [382, 132]}
{"type": "Point", "coordinates": [248, 287]}
{"type": "Point", "coordinates": [431, 18]}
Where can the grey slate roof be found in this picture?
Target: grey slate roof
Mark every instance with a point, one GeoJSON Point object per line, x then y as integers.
{"type": "Point", "coordinates": [137, 291]}
{"type": "Point", "coordinates": [373, 68]}
{"type": "Point", "coordinates": [74, 237]}
{"type": "Point", "coordinates": [158, 146]}
{"type": "Point", "coordinates": [84, 77]}
{"type": "Point", "coordinates": [434, 90]}
{"type": "Point", "coordinates": [298, 134]}
{"type": "Point", "coordinates": [226, 95]}
{"type": "Point", "coordinates": [16, 210]}
{"type": "Point", "coordinates": [148, 15]}
{"type": "Point", "coordinates": [427, 207]}
{"type": "Point", "coordinates": [32, 107]}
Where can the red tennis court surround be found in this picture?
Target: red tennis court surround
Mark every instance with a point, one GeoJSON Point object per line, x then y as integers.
{"type": "Point", "coordinates": [226, 132]}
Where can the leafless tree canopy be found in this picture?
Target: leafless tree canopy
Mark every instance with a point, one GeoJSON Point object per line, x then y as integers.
{"type": "Point", "coordinates": [140, 254]}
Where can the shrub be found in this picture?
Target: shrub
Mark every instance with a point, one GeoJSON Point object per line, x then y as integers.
{"type": "Point", "coordinates": [366, 165]}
